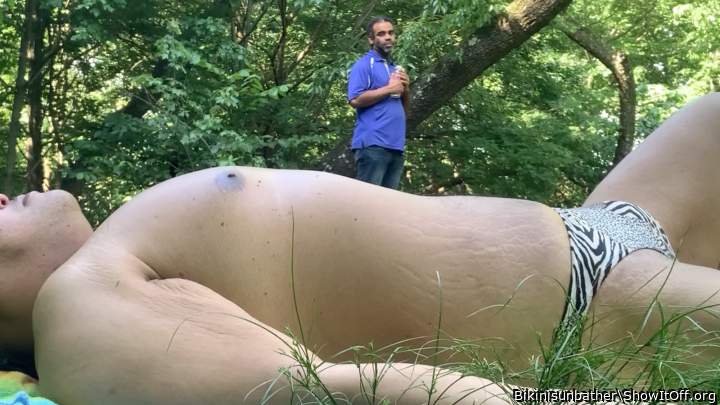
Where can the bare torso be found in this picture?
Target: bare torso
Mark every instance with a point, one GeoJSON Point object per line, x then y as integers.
{"type": "Point", "coordinates": [364, 264]}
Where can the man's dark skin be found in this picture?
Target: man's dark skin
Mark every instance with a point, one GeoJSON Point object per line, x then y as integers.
{"type": "Point", "coordinates": [382, 41]}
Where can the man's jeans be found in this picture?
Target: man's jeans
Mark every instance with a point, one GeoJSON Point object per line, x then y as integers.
{"type": "Point", "coordinates": [378, 165]}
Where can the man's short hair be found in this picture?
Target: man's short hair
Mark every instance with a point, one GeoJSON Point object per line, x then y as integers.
{"type": "Point", "coordinates": [375, 20]}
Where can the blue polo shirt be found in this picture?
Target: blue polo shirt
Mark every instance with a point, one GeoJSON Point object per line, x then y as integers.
{"type": "Point", "coordinates": [383, 123]}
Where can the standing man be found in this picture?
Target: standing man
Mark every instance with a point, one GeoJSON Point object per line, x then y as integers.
{"type": "Point", "coordinates": [378, 90]}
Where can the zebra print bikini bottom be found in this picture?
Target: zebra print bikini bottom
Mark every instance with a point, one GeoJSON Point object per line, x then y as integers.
{"type": "Point", "coordinates": [600, 236]}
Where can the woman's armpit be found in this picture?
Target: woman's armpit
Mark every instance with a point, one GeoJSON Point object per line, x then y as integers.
{"type": "Point", "coordinates": [174, 295]}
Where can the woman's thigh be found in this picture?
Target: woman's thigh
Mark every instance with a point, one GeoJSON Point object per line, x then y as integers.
{"type": "Point", "coordinates": [647, 291]}
{"type": "Point", "coordinates": [673, 175]}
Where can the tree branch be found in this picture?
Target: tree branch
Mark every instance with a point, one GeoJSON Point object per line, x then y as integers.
{"type": "Point", "coordinates": [313, 38]}
{"type": "Point", "coordinates": [363, 17]}
{"type": "Point", "coordinates": [619, 65]}
{"type": "Point", "coordinates": [278, 55]}
{"type": "Point", "coordinates": [19, 97]}
{"type": "Point", "coordinates": [483, 48]}
{"type": "Point", "coordinates": [246, 32]}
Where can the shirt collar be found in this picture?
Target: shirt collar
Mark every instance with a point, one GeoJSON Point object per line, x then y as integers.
{"type": "Point", "coordinates": [375, 54]}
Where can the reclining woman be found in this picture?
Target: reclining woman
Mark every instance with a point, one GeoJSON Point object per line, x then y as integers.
{"type": "Point", "coordinates": [182, 295]}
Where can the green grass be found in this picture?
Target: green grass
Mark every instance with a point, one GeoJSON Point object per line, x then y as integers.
{"type": "Point", "coordinates": [662, 361]}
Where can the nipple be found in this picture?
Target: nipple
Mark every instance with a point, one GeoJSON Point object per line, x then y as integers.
{"type": "Point", "coordinates": [229, 181]}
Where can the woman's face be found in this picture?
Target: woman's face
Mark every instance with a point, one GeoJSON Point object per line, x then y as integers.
{"type": "Point", "coordinates": [38, 233]}
{"type": "Point", "coordinates": [28, 221]}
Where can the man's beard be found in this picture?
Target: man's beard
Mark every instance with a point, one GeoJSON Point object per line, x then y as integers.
{"type": "Point", "coordinates": [381, 51]}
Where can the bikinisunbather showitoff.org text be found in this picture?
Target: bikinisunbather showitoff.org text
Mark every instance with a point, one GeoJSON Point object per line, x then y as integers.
{"type": "Point", "coordinates": [617, 395]}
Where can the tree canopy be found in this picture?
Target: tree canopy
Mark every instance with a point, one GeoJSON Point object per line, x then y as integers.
{"type": "Point", "coordinates": [527, 98]}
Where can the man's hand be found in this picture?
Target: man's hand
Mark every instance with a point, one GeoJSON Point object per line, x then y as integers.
{"type": "Point", "coordinates": [396, 84]}
{"type": "Point", "coordinates": [405, 80]}
{"type": "Point", "coordinates": [399, 84]}
{"type": "Point", "coordinates": [403, 76]}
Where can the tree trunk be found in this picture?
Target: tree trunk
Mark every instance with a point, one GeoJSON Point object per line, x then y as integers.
{"type": "Point", "coordinates": [35, 168]}
{"type": "Point", "coordinates": [19, 98]}
{"type": "Point", "coordinates": [483, 48]}
{"type": "Point", "coordinates": [621, 69]}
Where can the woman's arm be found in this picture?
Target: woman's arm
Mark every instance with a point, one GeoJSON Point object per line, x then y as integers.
{"type": "Point", "coordinates": [117, 337]}
{"type": "Point", "coordinates": [410, 383]}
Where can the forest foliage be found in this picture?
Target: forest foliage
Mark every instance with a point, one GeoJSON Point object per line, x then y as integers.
{"type": "Point", "coordinates": [108, 97]}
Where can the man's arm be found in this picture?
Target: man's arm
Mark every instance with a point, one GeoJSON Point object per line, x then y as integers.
{"type": "Point", "coordinates": [371, 97]}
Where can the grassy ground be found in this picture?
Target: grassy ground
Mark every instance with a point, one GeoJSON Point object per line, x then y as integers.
{"type": "Point", "coordinates": [667, 360]}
